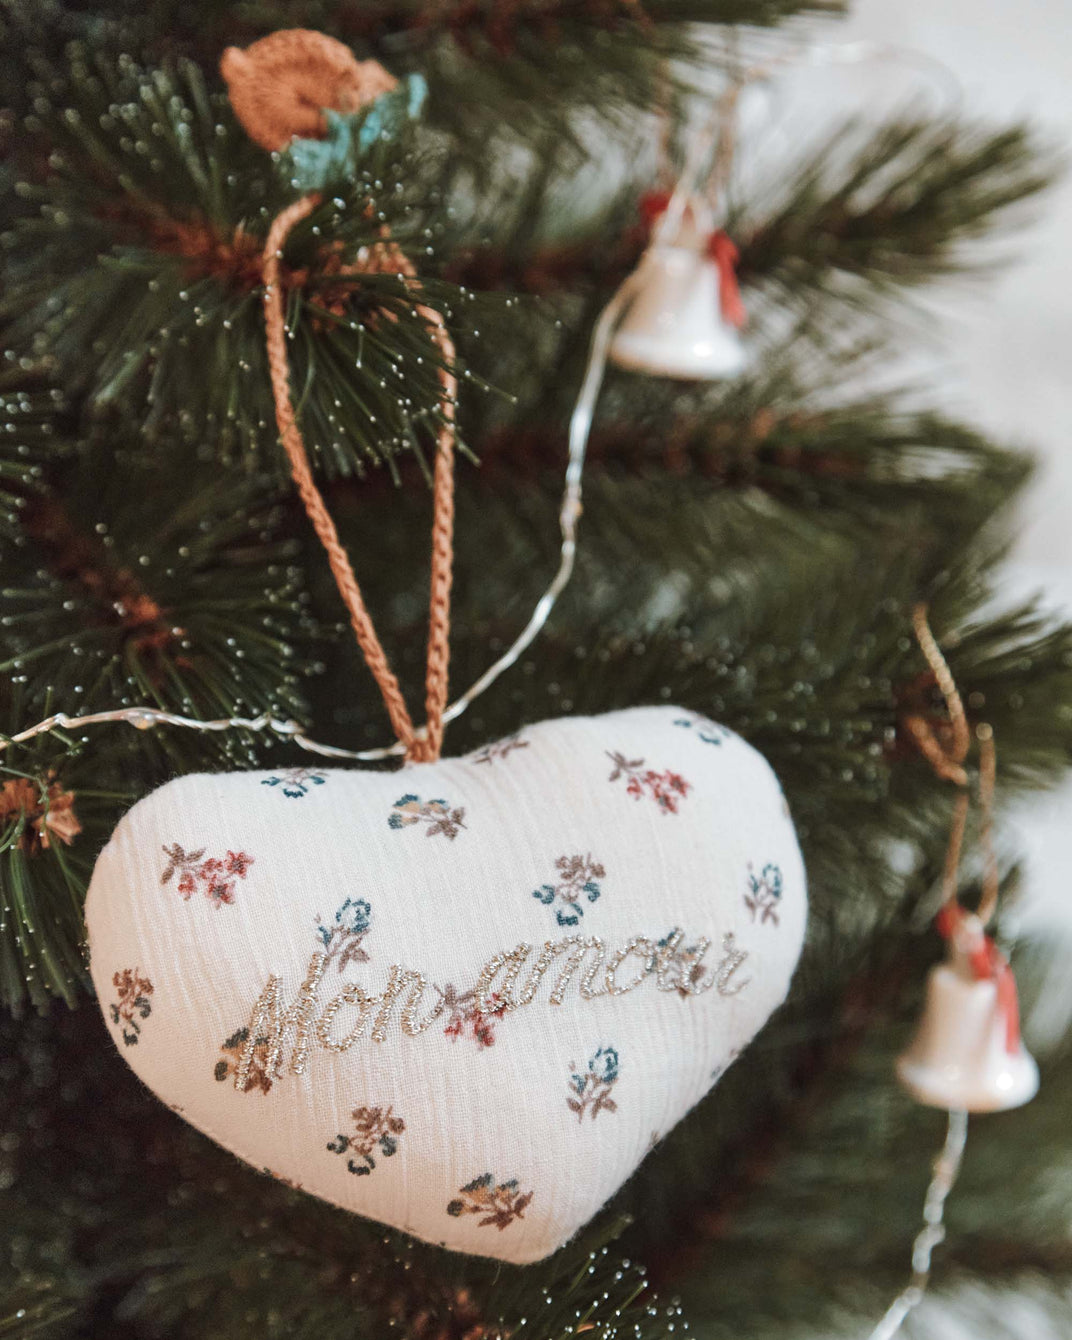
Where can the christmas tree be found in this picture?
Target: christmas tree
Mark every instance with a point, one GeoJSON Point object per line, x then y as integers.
{"type": "Point", "coordinates": [762, 550]}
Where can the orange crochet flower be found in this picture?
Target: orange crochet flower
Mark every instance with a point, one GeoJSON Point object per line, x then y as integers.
{"type": "Point", "coordinates": [280, 85]}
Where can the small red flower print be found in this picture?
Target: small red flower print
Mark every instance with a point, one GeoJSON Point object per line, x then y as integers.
{"type": "Point", "coordinates": [666, 788]}
{"type": "Point", "coordinates": [238, 863]}
{"type": "Point", "coordinates": [465, 1020]}
{"type": "Point", "coordinates": [211, 876]}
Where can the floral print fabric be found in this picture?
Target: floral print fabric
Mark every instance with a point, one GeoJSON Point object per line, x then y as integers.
{"type": "Point", "coordinates": [497, 1206]}
{"type": "Point", "coordinates": [590, 1091]}
{"type": "Point", "coordinates": [666, 788]}
{"type": "Point", "coordinates": [213, 876]}
{"type": "Point", "coordinates": [578, 883]}
{"type": "Point", "coordinates": [436, 815]}
{"type": "Point", "coordinates": [132, 1003]}
{"type": "Point", "coordinates": [639, 868]}
{"type": "Point", "coordinates": [375, 1131]}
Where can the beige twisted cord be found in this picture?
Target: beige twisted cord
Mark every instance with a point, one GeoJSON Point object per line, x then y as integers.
{"type": "Point", "coordinates": [418, 748]}
{"type": "Point", "coordinates": [947, 760]}
{"type": "Point", "coordinates": [279, 87]}
{"type": "Point", "coordinates": [436, 681]}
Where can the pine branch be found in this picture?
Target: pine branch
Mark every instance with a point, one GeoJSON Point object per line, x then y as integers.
{"type": "Point", "coordinates": [862, 463]}
{"type": "Point", "coordinates": [28, 440]}
{"type": "Point", "coordinates": [893, 212]}
{"type": "Point", "coordinates": [54, 816]}
{"type": "Point", "coordinates": [138, 275]}
{"type": "Point", "coordinates": [189, 605]}
{"type": "Point", "coordinates": [892, 208]}
{"type": "Point", "coordinates": [539, 60]}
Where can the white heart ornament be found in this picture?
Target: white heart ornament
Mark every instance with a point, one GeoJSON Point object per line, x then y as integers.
{"type": "Point", "coordinates": [466, 998]}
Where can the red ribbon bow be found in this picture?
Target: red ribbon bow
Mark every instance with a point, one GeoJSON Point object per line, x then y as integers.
{"type": "Point", "coordinates": [720, 248]}
{"type": "Point", "coordinates": [988, 964]}
{"type": "Point", "coordinates": [723, 251]}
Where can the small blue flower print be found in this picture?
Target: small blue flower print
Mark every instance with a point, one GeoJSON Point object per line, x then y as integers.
{"type": "Point", "coordinates": [710, 732]}
{"type": "Point", "coordinates": [591, 1091]}
{"type": "Point", "coordinates": [342, 937]}
{"type": "Point", "coordinates": [353, 918]}
{"type": "Point", "coordinates": [437, 814]}
{"type": "Point", "coordinates": [374, 1128]}
{"type": "Point", "coordinates": [296, 781]}
{"type": "Point", "coordinates": [764, 892]}
{"type": "Point", "coordinates": [498, 1205]}
{"type": "Point", "coordinates": [605, 1064]}
{"type": "Point", "coordinates": [578, 882]}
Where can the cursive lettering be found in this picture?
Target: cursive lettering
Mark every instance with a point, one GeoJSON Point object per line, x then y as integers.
{"type": "Point", "coordinates": [671, 965]}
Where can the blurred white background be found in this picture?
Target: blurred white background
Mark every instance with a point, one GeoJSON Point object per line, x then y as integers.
{"type": "Point", "coordinates": [997, 352]}
{"type": "Point", "coordinates": [1007, 343]}
{"type": "Point", "coordinates": [1003, 363]}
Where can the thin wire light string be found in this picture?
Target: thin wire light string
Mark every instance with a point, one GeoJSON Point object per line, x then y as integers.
{"type": "Point", "coordinates": [946, 1168]}
{"type": "Point", "coordinates": [144, 718]}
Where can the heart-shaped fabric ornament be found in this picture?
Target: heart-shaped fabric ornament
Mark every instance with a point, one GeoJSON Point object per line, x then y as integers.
{"type": "Point", "coordinates": [465, 998]}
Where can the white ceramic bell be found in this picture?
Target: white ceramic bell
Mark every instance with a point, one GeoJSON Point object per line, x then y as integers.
{"type": "Point", "coordinates": [674, 327]}
{"type": "Point", "coordinates": [962, 1056]}
{"type": "Point", "coordinates": [675, 323]}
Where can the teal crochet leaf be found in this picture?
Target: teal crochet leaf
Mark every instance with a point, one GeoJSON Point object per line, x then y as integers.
{"type": "Point", "coordinates": [312, 165]}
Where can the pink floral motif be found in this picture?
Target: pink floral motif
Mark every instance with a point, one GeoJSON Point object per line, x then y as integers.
{"type": "Point", "coordinates": [465, 1020]}
{"type": "Point", "coordinates": [213, 877]}
{"type": "Point", "coordinates": [666, 788]}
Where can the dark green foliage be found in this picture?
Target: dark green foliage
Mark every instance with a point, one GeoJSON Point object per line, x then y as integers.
{"type": "Point", "coordinates": [43, 879]}
{"type": "Point", "coordinates": [29, 414]}
{"type": "Point", "coordinates": [135, 264]}
{"type": "Point", "coordinates": [190, 602]}
{"type": "Point", "coordinates": [930, 185]}
{"type": "Point", "coordinates": [490, 64]}
{"type": "Point", "coordinates": [751, 550]}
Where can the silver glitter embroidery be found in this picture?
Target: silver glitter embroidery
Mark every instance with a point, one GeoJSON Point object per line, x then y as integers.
{"type": "Point", "coordinates": [733, 959]}
{"type": "Point", "coordinates": [270, 1020]}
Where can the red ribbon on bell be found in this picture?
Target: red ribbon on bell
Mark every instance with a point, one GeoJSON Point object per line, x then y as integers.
{"type": "Point", "coordinates": [723, 251]}
{"type": "Point", "coordinates": [987, 963]}
{"type": "Point", "coordinates": [720, 248]}
{"type": "Point", "coordinates": [651, 204]}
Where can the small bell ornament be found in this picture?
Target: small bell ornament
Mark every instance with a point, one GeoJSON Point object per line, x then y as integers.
{"type": "Point", "coordinates": [967, 1054]}
{"type": "Point", "coordinates": [685, 311]}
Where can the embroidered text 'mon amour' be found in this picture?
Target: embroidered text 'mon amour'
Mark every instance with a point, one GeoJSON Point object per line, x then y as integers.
{"type": "Point", "coordinates": [639, 961]}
